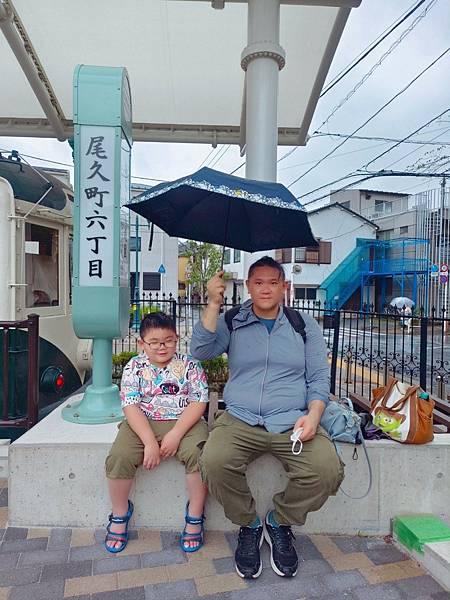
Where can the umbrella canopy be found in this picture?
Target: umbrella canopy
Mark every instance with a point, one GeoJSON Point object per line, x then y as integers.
{"type": "Point", "coordinates": [402, 302]}
{"type": "Point", "coordinates": [210, 206]}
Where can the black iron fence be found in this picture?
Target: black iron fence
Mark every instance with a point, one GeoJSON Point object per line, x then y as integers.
{"type": "Point", "coordinates": [364, 347]}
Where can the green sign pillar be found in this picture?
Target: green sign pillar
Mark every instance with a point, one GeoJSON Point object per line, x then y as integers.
{"type": "Point", "coordinates": [101, 293]}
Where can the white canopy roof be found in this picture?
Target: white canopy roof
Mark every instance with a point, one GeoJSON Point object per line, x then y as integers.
{"type": "Point", "coordinates": [183, 58]}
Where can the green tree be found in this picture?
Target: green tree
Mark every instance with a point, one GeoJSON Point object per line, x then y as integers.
{"type": "Point", "coordinates": [204, 262]}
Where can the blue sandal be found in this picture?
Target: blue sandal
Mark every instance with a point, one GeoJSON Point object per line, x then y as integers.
{"type": "Point", "coordinates": [192, 537]}
{"type": "Point", "coordinates": [118, 537]}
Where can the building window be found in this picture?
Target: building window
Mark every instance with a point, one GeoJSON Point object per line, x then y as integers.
{"type": "Point", "coordinates": [383, 207]}
{"type": "Point", "coordinates": [313, 255]}
{"type": "Point", "coordinates": [151, 281]}
{"type": "Point", "coordinates": [133, 243]}
{"type": "Point", "coordinates": [305, 293]}
{"type": "Point", "coordinates": [404, 230]}
{"type": "Point", "coordinates": [41, 265]}
{"type": "Point", "coordinates": [226, 256]}
{"type": "Point", "coordinates": [386, 235]}
{"type": "Point", "coordinates": [237, 256]}
{"type": "Point", "coordinates": [286, 255]}
{"type": "Point", "coordinates": [307, 255]}
{"type": "Point", "coordinates": [300, 255]}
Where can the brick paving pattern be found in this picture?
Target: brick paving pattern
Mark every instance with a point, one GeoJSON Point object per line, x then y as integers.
{"type": "Point", "coordinates": [54, 564]}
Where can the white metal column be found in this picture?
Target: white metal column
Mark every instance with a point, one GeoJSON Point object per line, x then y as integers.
{"type": "Point", "coordinates": [262, 59]}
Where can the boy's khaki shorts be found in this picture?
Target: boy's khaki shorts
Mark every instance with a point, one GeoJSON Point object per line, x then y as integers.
{"type": "Point", "coordinates": [127, 451]}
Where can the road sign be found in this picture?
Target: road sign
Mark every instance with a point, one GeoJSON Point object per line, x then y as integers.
{"type": "Point", "coordinates": [434, 274]}
{"type": "Point", "coordinates": [162, 269]}
{"type": "Point", "coordinates": [444, 268]}
{"type": "Point", "coordinates": [434, 269]}
{"type": "Point", "coordinates": [443, 279]}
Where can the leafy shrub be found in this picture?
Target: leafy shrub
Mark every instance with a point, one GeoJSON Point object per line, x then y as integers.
{"type": "Point", "coordinates": [216, 370]}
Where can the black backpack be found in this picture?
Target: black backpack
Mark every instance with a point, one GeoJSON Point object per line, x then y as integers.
{"type": "Point", "coordinates": [293, 316]}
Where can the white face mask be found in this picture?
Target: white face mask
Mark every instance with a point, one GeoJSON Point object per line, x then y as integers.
{"type": "Point", "coordinates": [295, 439]}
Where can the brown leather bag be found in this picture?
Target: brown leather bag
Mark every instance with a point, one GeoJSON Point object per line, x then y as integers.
{"type": "Point", "coordinates": [401, 413]}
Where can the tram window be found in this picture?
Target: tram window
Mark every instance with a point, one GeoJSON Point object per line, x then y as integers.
{"type": "Point", "coordinates": [41, 266]}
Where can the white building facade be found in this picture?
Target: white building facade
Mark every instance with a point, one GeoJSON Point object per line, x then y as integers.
{"type": "Point", "coordinates": [334, 226]}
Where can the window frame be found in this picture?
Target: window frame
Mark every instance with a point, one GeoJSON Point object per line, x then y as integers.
{"type": "Point", "coordinates": [63, 305]}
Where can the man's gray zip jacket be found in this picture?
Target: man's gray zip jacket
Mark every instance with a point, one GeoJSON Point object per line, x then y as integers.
{"type": "Point", "coordinates": [273, 377]}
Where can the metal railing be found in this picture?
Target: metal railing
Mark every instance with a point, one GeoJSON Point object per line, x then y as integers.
{"type": "Point", "coordinates": [14, 372]}
{"type": "Point", "coordinates": [364, 347]}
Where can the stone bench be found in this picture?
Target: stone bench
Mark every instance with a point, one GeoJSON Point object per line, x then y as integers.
{"type": "Point", "coordinates": [57, 480]}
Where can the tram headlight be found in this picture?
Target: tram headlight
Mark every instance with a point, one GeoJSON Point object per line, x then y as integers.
{"type": "Point", "coordinates": [52, 380]}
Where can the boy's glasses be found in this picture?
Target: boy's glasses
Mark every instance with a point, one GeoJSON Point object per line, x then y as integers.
{"type": "Point", "coordinates": [157, 345]}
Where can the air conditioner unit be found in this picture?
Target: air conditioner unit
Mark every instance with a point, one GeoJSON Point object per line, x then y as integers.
{"type": "Point", "coordinates": [297, 269]}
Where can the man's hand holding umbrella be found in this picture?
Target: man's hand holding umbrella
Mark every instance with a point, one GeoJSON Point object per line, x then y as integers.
{"type": "Point", "coordinates": [216, 291]}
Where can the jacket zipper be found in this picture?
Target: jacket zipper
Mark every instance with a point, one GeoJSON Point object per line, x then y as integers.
{"type": "Point", "coordinates": [265, 373]}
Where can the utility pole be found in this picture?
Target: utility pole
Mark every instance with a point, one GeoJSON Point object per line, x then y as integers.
{"type": "Point", "coordinates": [443, 253]}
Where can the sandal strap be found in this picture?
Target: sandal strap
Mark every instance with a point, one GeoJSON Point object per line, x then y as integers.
{"type": "Point", "coordinates": [194, 520]}
{"type": "Point", "coordinates": [115, 537]}
{"type": "Point", "coordinates": [118, 520]}
{"type": "Point", "coordinates": [125, 518]}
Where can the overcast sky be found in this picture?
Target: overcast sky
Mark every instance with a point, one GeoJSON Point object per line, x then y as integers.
{"type": "Point", "coordinates": [425, 99]}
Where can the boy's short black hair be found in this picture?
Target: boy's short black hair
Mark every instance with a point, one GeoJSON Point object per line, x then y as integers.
{"type": "Point", "coordinates": [156, 320]}
{"type": "Point", "coordinates": [267, 261]}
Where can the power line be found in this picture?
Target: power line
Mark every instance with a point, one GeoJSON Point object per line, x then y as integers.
{"type": "Point", "coordinates": [416, 149]}
{"type": "Point", "coordinates": [407, 137]}
{"type": "Point", "coordinates": [361, 57]}
{"type": "Point", "coordinates": [62, 164]}
{"type": "Point", "coordinates": [372, 117]}
{"type": "Point", "coordinates": [308, 162]}
{"type": "Point", "coordinates": [379, 138]}
{"type": "Point", "coordinates": [218, 158]}
{"type": "Point", "coordinates": [379, 62]}
{"type": "Point", "coordinates": [370, 48]}
{"type": "Point", "coordinates": [382, 173]}
{"type": "Point", "coordinates": [355, 173]}
{"type": "Point", "coordinates": [237, 168]}
{"type": "Point", "coordinates": [206, 158]}
{"type": "Point", "coordinates": [54, 162]}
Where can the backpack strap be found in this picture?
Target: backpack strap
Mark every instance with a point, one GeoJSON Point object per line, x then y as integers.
{"type": "Point", "coordinates": [293, 316]}
{"type": "Point", "coordinates": [229, 316]}
{"type": "Point", "coordinates": [296, 320]}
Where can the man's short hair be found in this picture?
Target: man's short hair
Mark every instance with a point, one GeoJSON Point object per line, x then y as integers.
{"type": "Point", "coordinates": [267, 261]}
{"type": "Point", "coordinates": [157, 320]}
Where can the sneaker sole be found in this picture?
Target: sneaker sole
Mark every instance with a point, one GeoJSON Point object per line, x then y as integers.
{"type": "Point", "coordinates": [272, 562]}
{"type": "Point", "coordinates": [258, 573]}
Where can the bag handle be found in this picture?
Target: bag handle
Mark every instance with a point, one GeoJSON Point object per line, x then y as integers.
{"type": "Point", "coordinates": [401, 403]}
{"type": "Point", "coordinates": [369, 487]}
{"type": "Point", "coordinates": [388, 389]}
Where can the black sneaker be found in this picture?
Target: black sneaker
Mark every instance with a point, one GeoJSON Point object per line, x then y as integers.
{"type": "Point", "coordinates": [283, 555]}
{"type": "Point", "coordinates": [247, 556]}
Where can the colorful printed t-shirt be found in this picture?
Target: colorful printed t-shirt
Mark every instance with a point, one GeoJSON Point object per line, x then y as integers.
{"type": "Point", "coordinates": [163, 393]}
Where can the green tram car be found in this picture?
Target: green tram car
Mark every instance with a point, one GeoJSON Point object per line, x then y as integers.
{"type": "Point", "coordinates": [35, 278]}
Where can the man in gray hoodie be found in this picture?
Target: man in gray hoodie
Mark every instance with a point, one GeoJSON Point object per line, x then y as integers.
{"type": "Point", "coordinates": [279, 384]}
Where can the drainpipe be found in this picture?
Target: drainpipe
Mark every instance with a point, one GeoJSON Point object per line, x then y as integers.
{"type": "Point", "coordinates": [23, 58]}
